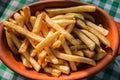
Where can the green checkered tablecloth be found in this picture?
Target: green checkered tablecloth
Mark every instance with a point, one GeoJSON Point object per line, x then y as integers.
{"type": "Point", "coordinates": [112, 72]}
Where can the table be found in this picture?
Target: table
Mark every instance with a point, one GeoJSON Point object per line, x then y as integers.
{"type": "Point", "coordinates": [111, 72]}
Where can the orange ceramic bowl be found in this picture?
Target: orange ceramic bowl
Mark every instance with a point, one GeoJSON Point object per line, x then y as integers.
{"type": "Point", "coordinates": [100, 16]}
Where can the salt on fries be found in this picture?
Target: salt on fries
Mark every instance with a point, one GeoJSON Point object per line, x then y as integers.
{"type": "Point", "coordinates": [57, 44]}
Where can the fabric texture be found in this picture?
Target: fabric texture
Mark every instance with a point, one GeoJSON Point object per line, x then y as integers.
{"type": "Point", "coordinates": [111, 72]}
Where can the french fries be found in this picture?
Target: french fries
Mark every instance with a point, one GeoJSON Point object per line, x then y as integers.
{"type": "Point", "coordinates": [72, 9]}
{"type": "Point", "coordinates": [79, 53]}
{"type": "Point", "coordinates": [73, 58]}
{"type": "Point", "coordinates": [24, 46]}
{"type": "Point", "coordinates": [32, 20]}
{"type": "Point", "coordinates": [89, 53]}
{"type": "Point", "coordinates": [10, 43]}
{"type": "Point", "coordinates": [103, 31]}
{"type": "Point", "coordinates": [38, 23]}
{"type": "Point", "coordinates": [26, 16]}
{"type": "Point", "coordinates": [54, 72]}
{"type": "Point", "coordinates": [75, 15]}
{"type": "Point", "coordinates": [56, 40]}
{"type": "Point", "coordinates": [102, 38]}
{"type": "Point", "coordinates": [41, 57]}
{"type": "Point", "coordinates": [21, 30]}
{"type": "Point", "coordinates": [78, 47]}
{"type": "Point", "coordinates": [26, 62]}
{"type": "Point", "coordinates": [88, 16]}
{"type": "Point", "coordinates": [64, 22]}
{"type": "Point", "coordinates": [100, 53]}
{"type": "Point", "coordinates": [53, 59]}
{"type": "Point", "coordinates": [63, 68]}
{"type": "Point", "coordinates": [68, 51]}
{"type": "Point", "coordinates": [85, 39]}
{"type": "Point", "coordinates": [92, 37]}
{"type": "Point", "coordinates": [44, 43]}
{"type": "Point", "coordinates": [68, 36]}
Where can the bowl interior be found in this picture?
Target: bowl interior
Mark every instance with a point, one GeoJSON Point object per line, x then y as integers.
{"type": "Point", "coordinates": [100, 17]}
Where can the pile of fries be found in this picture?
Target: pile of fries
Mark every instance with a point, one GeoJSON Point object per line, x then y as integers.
{"type": "Point", "coordinates": [56, 40]}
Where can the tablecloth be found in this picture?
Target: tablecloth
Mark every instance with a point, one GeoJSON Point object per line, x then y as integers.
{"type": "Point", "coordinates": [111, 72]}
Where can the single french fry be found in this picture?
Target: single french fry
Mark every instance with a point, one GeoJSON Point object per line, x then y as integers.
{"type": "Point", "coordinates": [22, 13]}
{"type": "Point", "coordinates": [69, 57]}
{"type": "Point", "coordinates": [56, 44]}
{"type": "Point", "coordinates": [41, 57]}
{"type": "Point", "coordinates": [85, 39]}
{"type": "Point", "coordinates": [68, 36]}
{"type": "Point", "coordinates": [19, 19]}
{"type": "Point", "coordinates": [25, 62]}
{"type": "Point", "coordinates": [103, 31]}
{"type": "Point", "coordinates": [78, 47]}
{"type": "Point", "coordinates": [91, 36]}
{"type": "Point", "coordinates": [70, 28]}
{"type": "Point", "coordinates": [100, 25]}
{"type": "Point", "coordinates": [24, 46]}
{"type": "Point", "coordinates": [32, 20]}
{"type": "Point", "coordinates": [37, 13]}
{"type": "Point", "coordinates": [60, 61]}
{"type": "Point", "coordinates": [75, 15]}
{"type": "Point", "coordinates": [64, 22]}
{"type": "Point", "coordinates": [54, 72]}
{"type": "Point", "coordinates": [12, 20]}
{"type": "Point", "coordinates": [44, 30]}
{"type": "Point", "coordinates": [15, 40]}
{"type": "Point", "coordinates": [100, 53]}
{"type": "Point", "coordinates": [59, 17]}
{"type": "Point", "coordinates": [81, 24]}
{"type": "Point", "coordinates": [51, 15]}
{"type": "Point", "coordinates": [62, 68]}
{"type": "Point", "coordinates": [34, 63]}
{"type": "Point", "coordinates": [88, 16]}
{"type": "Point", "coordinates": [44, 43]}
{"type": "Point", "coordinates": [102, 38]}
{"type": "Point", "coordinates": [10, 43]}
{"type": "Point", "coordinates": [22, 31]}
{"type": "Point", "coordinates": [26, 15]}
{"type": "Point", "coordinates": [85, 8]}
{"type": "Point", "coordinates": [67, 51]}
{"type": "Point", "coordinates": [44, 63]}
{"type": "Point", "coordinates": [51, 56]}
{"type": "Point", "coordinates": [38, 23]}
{"type": "Point", "coordinates": [89, 53]}
{"type": "Point", "coordinates": [79, 53]}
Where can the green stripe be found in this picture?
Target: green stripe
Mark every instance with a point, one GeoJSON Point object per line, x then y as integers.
{"type": "Point", "coordinates": [102, 3]}
{"type": "Point", "coordinates": [4, 5]}
{"type": "Point", "coordinates": [113, 8]}
{"type": "Point", "coordinates": [22, 1]}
